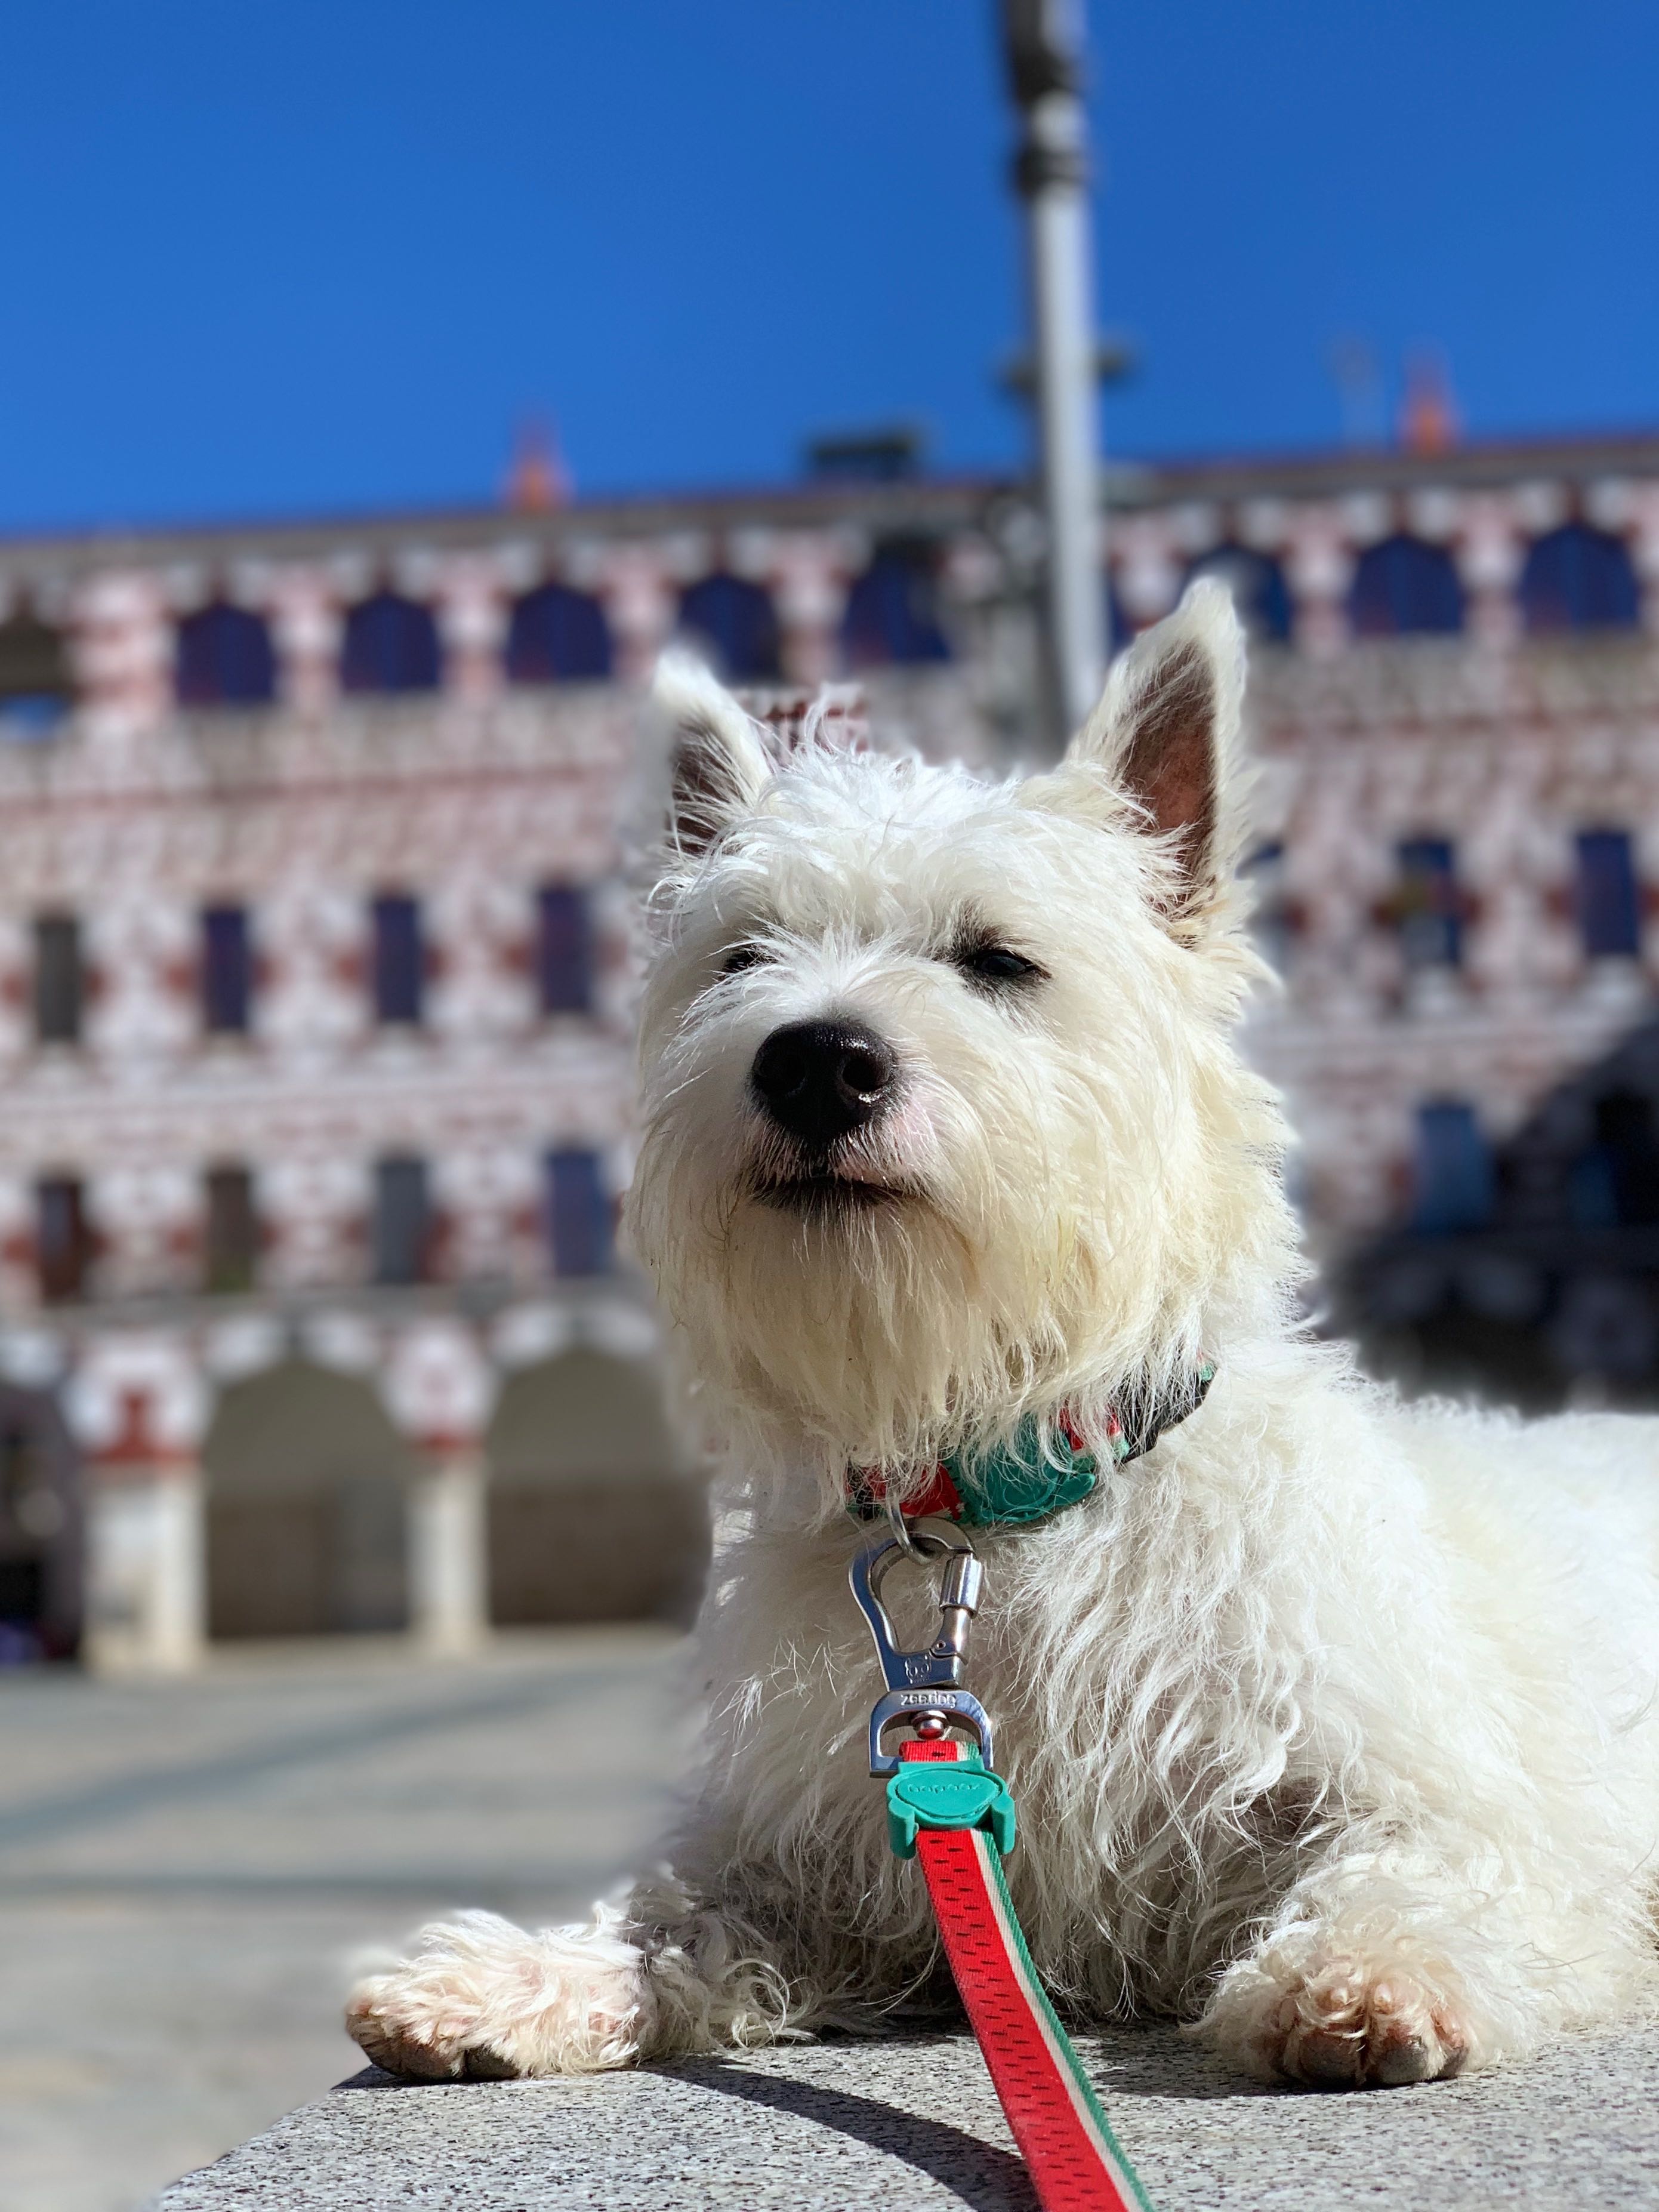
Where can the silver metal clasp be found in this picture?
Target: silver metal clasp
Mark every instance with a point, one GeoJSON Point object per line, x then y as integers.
{"type": "Point", "coordinates": [923, 1687]}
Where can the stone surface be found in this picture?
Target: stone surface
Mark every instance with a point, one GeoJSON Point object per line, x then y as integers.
{"type": "Point", "coordinates": [186, 1868]}
{"type": "Point", "coordinates": [907, 2127]}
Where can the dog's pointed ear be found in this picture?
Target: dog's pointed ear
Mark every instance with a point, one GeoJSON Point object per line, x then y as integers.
{"type": "Point", "coordinates": [718, 764]}
{"type": "Point", "coordinates": [1167, 732]}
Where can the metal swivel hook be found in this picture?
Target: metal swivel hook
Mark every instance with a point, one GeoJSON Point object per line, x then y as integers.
{"type": "Point", "coordinates": [923, 1687]}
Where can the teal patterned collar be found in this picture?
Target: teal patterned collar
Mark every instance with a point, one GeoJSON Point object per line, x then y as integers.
{"type": "Point", "coordinates": [1022, 1481]}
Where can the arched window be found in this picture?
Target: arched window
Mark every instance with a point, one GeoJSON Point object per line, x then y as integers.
{"type": "Point", "coordinates": [558, 636]}
{"type": "Point", "coordinates": [735, 623]}
{"type": "Point", "coordinates": [35, 690]}
{"type": "Point", "coordinates": [1405, 586]}
{"type": "Point", "coordinates": [391, 644]}
{"type": "Point", "coordinates": [590, 1514]}
{"type": "Point", "coordinates": [222, 658]}
{"type": "Point", "coordinates": [892, 610]}
{"type": "Point", "coordinates": [308, 1486]}
{"type": "Point", "coordinates": [1257, 584]}
{"type": "Point", "coordinates": [1577, 578]}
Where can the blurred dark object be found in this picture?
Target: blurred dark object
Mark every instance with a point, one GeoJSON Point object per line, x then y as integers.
{"type": "Point", "coordinates": [888, 455]}
{"type": "Point", "coordinates": [1529, 1272]}
{"type": "Point", "coordinates": [1117, 358]}
{"type": "Point", "coordinates": [41, 1532]}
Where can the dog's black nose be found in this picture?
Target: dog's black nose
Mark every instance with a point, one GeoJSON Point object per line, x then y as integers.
{"type": "Point", "coordinates": [820, 1080]}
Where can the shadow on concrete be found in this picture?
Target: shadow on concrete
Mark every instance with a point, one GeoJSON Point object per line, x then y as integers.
{"type": "Point", "coordinates": [1158, 2061]}
{"type": "Point", "coordinates": [982, 2175]}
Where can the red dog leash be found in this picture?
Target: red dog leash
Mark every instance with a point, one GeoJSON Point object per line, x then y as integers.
{"type": "Point", "coordinates": [947, 1807]}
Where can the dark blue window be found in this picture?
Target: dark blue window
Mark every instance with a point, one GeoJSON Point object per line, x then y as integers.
{"type": "Point", "coordinates": [1610, 902]}
{"type": "Point", "coordinates": [892, 610]}
{"type": "Point", "coordinates": [35, 690]}
{"type": "Point", "coordinates": [1404, 586]}
{"type": "Point", "coordinates": [558, 636]}
{"type": "Point", "coordinates": [63, 1240]}
{"type": "Point", "coordinates": [60, 980]}
{"type": "Point", "coordinates": [222, 658]}
{"type": "Point", "coordinates": [400, 959]}
{"type": "Point", "coordinates": [403, 1221]}
{"type": "Point", "coordinates": [391, 644]}
{"type": "Point", "coordinates": [735, 623]}
{"type": "Point", "coordinates": [226, 968]}
{"type": "Point", "coordinates": [1272, 923]}
{"type": "Point", "coordinates": [231, 1256]}
{"type": "Point", "coordinates": [579, 1215]}
{"type": "Point", "coordinates": [1577, 579]}
{"type": "Point", "coordinates": [1429, 905]}
{"type": "Point", "coordinates": [1453, 1179]}
{"type": "Point", "coordinates": [1257, 584]}
{"type": "Point", "coordinates": [564, 951]}
{"type": "Point", "coordinates": [1120, 631]}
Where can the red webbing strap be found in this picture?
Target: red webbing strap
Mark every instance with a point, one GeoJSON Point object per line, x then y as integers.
{"type": "Point", "coordinates": [1074, 2160]}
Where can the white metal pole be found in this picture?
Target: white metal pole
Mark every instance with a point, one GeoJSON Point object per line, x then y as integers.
{"type": "Point", "coordinates": [1044, 45]}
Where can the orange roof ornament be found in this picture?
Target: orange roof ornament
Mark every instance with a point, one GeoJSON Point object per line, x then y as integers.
{"type": "Point", "coordinates": [537, 480]}
{"type": "Point", "coordinates": [1429, 421]}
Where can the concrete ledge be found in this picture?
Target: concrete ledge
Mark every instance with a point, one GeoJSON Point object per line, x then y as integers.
{"type": "Point", "coordinates": [911, 2126]}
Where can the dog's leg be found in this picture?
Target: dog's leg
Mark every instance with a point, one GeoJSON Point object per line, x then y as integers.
{"type": "Point", "coordinates": [1387, 1967]}
{"type": "Point", "coordinates": [481, 1999]}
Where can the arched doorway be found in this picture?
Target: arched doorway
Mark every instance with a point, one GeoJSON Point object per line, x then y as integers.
{"type": "Point", "coordinates": [593, 1514]}
{"type": "Point", "coordinates": [40, 1531]}
{"type": "Point", "coordinates": [307, 1486]}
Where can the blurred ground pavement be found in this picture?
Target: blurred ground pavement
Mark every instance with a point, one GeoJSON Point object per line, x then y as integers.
{"type": "Point", "coordinates": [186, 1867]}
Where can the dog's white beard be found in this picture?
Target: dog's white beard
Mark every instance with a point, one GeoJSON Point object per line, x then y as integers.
{"type": "Point", "coordinates": [880, 1335]}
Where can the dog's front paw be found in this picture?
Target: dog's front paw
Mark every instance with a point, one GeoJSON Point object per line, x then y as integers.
{"type": "Point", "coordinates": [400, 2030]}
{"type": "Point", "coordinates": [482, 2000]}
{"type": "Point", "coordinates": [1341, 2022]}
{"type": "Point", "coordinates": [1351, 2028]}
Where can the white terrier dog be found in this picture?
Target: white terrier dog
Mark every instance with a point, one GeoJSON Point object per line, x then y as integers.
{"type": "Point", "coordinates": [1331, 1720]}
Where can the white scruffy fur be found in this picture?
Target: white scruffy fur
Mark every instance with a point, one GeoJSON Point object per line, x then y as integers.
{"type": "Point", "coordinates": [1331, 1720]}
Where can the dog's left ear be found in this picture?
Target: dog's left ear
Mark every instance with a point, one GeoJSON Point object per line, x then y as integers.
{"type": "Point", "coordinates": [1166, 731]}
{"type": "Point", "coordinates": [717, 764]}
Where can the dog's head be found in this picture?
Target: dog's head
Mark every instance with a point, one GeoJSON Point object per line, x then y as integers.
{"type": "Point", "coordinates": [943, 1120]}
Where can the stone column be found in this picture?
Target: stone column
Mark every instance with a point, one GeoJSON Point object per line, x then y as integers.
{"type": "Point", "coordinates": [1319, 565]}
{"type": "Point", "coordinates": [1643, 535]}
{"type": "Point", "coordinates": [306, 622]}
{"type": "Point", "coordinates": [1489, 554]}
{"type": "Point", "coordinates": [123, 643]}
{"type": "Point", "coordinates": [637, 589]}
{"type": "Point", "coordinates": [1147, 566]}
{"type": "Point", "coordinates": [439, 1390]}
{"type": "Point", "coordinates": [448, 1563]}
{"type": "Point", "coordinates": [471, 614]}
{"type": "Point", "coordinates": [808, 577]}
{"type": "Point", "coordinates": [137, 1403]}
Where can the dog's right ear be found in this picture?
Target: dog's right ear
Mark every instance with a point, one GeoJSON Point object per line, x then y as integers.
{"type": "Point", "coordinates": [1167, 734]}
{"type": "Point", "coordinates": [717, 758]}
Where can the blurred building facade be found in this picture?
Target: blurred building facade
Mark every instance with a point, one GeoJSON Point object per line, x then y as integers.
{"type": "Point", "coordinates": [314, 990]}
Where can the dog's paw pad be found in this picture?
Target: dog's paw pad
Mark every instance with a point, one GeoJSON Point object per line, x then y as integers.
{"type": "Point", "coordinates": [433, 2051]}
{"type": "Point", "coordinates": [1344, 2028]}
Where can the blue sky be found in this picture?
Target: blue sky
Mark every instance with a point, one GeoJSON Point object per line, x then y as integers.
{"type": "Point", "coordinates": [269, 256]}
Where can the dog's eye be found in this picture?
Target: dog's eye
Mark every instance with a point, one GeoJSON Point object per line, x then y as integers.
{"type": "Point", "coordinates": [740, 957]}
{"type": "Point", "coordinates": [997, 964]}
